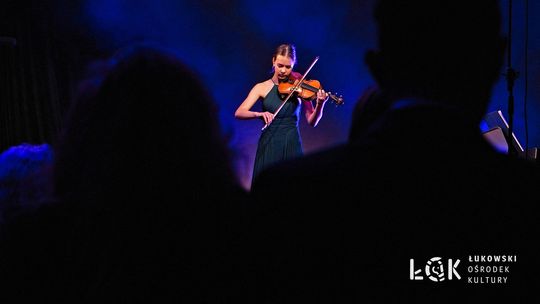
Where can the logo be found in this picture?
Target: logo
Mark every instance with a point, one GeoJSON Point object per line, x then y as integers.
{"type": "Point", "coordinates": [435, 270]}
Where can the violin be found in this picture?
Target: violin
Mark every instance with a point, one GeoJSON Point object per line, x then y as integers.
{"type": "Point", "coordinates": [306, 90]}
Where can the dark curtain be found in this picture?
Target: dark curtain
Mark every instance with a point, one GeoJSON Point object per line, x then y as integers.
{"type": "Point", "coordinates": [38, 75]}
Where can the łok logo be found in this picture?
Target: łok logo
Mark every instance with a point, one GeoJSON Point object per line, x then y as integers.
{"type": "Point", "coordinates": [435, 270]}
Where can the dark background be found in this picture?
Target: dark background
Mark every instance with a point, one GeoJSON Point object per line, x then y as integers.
{"type": "Point", "coordinates": [229, 44]}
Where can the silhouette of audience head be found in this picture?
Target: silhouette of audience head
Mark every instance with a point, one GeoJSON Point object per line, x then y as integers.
{"type": "Point", "coordinates": [24, 179]}
{"type": "Point", "coordinates": [447, 52]}
{"type": "Point", "coordinates": [142, 125]}
{"type": "Point", "coordinates": [140, 175]}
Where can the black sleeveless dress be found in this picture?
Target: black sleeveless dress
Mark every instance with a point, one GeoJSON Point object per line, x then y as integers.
{"type": "Point", "coordinates": [281, 140]}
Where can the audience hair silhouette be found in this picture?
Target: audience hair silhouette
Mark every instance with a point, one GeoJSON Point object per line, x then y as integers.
{"type": "Point", "coordinates": [24, 177]}
{"type": "Point", "coordinates": [150, 116]}
{"type": "Point", "coordinates": [148, 207]}
{"type": "Point", "coordinates": [417, 179]}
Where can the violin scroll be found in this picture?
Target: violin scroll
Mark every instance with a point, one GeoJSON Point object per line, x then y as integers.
{"type": "Point", "coordinates": [337, 100]}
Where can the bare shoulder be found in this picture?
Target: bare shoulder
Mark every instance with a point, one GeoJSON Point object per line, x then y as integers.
{"type": "Point", "coordinates": [264, 87]}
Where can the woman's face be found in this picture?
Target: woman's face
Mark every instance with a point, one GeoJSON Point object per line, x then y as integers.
{"type": "Point", "coordinates": [282, 67]}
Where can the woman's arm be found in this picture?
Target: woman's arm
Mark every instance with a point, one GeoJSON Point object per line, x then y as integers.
{"type": "Point", "coordinates": [313, 115]}
{"type": "Point", "coordinates": [244, 110]}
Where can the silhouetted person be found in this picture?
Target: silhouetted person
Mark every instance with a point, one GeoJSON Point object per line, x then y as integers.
{"type": "Point", "coordinates": [417, 181]}
{"type": "Point", "coordinates": [148, 206]}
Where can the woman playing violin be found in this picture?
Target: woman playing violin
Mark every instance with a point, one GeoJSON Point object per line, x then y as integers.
{"type": "Point", "coordinates": [281, 139]}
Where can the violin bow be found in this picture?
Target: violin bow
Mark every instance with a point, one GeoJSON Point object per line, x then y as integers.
{"type": "Point", "coordinates": [293, 90]}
